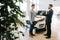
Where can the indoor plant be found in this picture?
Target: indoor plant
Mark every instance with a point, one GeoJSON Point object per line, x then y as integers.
{"type": "Point", "coordinates": [9, 17]}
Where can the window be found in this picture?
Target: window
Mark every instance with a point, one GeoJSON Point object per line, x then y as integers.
{"type": "Point", "coordinates": [36, 2]}
{"type": "Point", "coordinates": [23, 6]}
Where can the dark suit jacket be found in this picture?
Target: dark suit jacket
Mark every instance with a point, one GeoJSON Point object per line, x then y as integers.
{"type": "Point", "coordinates": [49, 15]}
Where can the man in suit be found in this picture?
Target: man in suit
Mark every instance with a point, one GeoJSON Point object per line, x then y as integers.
{"type": "Point", "coordinates": [49, 20]}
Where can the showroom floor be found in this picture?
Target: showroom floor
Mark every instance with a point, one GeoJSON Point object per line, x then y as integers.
{"type": "Point", "coordinates": [55, 35]}
{"type": "Point", "coordinates": [55, 32]}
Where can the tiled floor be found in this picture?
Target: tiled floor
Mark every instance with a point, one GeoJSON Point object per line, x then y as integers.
{"type": "Point", "coordinates": [55, 32]}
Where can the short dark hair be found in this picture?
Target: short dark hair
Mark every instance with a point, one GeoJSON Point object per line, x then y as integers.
{"type": "Point", "coordinates": [51, 5]}
{"type": "Point", "coordinates": [33, 5]}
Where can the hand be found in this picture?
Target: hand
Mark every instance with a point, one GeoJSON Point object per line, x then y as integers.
{"type": "Point", "coordinates": [38, 17]}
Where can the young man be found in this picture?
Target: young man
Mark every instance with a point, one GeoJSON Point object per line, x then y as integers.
{"type": "Point", "coordinates": [32, 16]}
{"type": "Point", "coordinates": [49, 20]}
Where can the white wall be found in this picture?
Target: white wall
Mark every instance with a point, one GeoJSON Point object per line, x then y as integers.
{"type": "Point", "coordinates": [44, 3]}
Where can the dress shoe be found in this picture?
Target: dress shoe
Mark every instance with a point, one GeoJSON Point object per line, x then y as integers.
{"type": "Point", "coordinates": [30, 35]}
{"type": "Point", "coordinates": [33, 34]}
{"type": "Point", "coordinates": [48, 37]}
